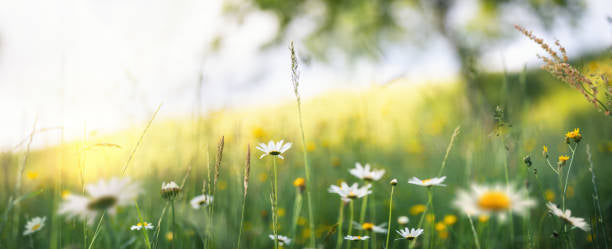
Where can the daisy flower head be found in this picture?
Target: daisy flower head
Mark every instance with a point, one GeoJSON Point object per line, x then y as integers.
{"type": "Point", "coordinates": [141, 225]}
{"type": "Point", "coordinates": [282, 240]}
{"type": "Point", "coordinates": [34, 225]}
{"type": "Point", "coordinates": [101, 196]}
{"type": "Point", "coordinates": [403, 220]}
{"type": "Point", "coordinates": [366, 173]}
{"type": "Point", "coordinates": [410, 233]}
{"type": "Point", "coordinates": [348, 193]}
{"type": "Point", "coordinates": [490, 200]}
{"type": "Point", "coordinates": [274, 149]}
{"type": "Point", "coordinates": [201, 201]}
{"type": "Point", "coordinates": [170, 191]}
{"type": "Point", "coordinates": [350, 237]}
{"type": "Point", "coordinates": [370, 227]}
{"type": "Point", "coordinates": [567, 217]}
{"type": "Point", "coordinates": [436, 181]}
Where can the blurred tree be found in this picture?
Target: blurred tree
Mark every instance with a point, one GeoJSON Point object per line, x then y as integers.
{"type": "Point", "coordinates": [362, 27]}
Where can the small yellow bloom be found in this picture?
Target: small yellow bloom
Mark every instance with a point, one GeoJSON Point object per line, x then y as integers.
{"type": "Point", "coordinates": [259, 133]}
{"type": "Point", "coordinates": [430, 218]}
{"type": "Point", "coordinates": [589, 238]}
{"type": "Point", "coordinates": [169, 236]}
{"type": "Point", "coordinates": [549, 195]}
{"type": "Point", "coordinates": [263, 177]}
{"type": "Point", "coordinates": [311, 147]}
{"type": "Point", "coordinates": [575, 135]}
{"type": "Point", "coordinates": [417, 209]}
{"type": "Point", "coordinates": [281, 212]}
{"type": "Point", "coordinates": [65, 194]}
{"type": "Point", "coordinates": [544, 151]}
{"type": "Point", "coordinates": [483, 218]}
{"type": "Point", "coordinates": [443, 234]}
{"type": "Point", "coordinates": [440, 226]}
{"type": "Point", "coordinates": [562, 160]}
{"type": "Point", "coordinates": [570, 191]}
{"type": "Point", "coordinates": [299, 182]}
{"type": "Point", "coordinates": [32, 175]}
{"type": "Point", "coordinates": [301, 221]}
{"type": "Point", "coordinates": [450, 219]}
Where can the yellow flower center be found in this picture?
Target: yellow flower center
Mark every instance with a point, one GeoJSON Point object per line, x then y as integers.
{"type": "Point", "coordinates": [352, 195]}
{"type": "Point", "coordinates": [35, 227]}
{"type": "Point", "coordinates": [426, 181]}
{"type": "Point", "coordinates": [494, 200]}
{"type": "Point", "coordinates": [367, 226]}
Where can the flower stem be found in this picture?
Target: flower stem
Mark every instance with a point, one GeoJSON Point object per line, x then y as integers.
{"type": "Point", "coordinates": [364, 204]}
{"type": "Point", "coordinates": [389, 223]}
{"type": "Point", "coordinates": [350, 226]}
{"type": "Point", "coordinates": [144, 231]}
{"type": "Point", "coordinates": [340, 221]}
{"type": "Point", "coordinates": [275, 207]}
{"type": "Point", "coordinates": [429, 201]}
{"type": "Point", "coordinates": [474, 232]}
{"type": "Point", "coordinates": [241, 222]}
{"type": "Point", "coordinates": [173, 225]}
{"type": "Point", "coordinates": [297, 208]}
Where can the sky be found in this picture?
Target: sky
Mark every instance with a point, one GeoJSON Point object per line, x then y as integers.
{"type": "Point", "coordinates": [107, 65]}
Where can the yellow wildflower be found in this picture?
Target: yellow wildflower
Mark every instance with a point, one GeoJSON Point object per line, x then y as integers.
{"type": "Point", "coordinates": [32, 175]}
{"type": "Point", "coordinates": [562, 160]}
{"type": "Point", "coordinates": [483, 218]}
{"type": "Point", "coordinates": [440, 226]}
{"type": "Point", "coordinates": [450, 219]}
{"type": "Point", "coordinates": [549, 195]}
{"type": "Point", "coordinates": [417, 209]}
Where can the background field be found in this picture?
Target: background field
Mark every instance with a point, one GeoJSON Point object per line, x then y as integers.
{"type": "Point", "coordinates": [400, 127]}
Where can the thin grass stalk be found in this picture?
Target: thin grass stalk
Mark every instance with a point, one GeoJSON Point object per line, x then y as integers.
{"type": "Point", "coordinates": [131, 156]}
{"type": "Point", "coordinates": [569, 169]}
{"type": "Point", "coordinates": [389, 222]}
{"type": "Point", "coordinates": [275, 205]}
{"type": "Point", "coordinates": [350, 227]}
{"type": "Point", "coordinates": [159, 221]}
{"type": "Point", "coordinates": [213, 188]}
{"type": "Point", "coordinates": [144, 231]}
{"type": "Point", "coordinates": [364, 204]}
{"type": "Point", "coordinates": [340, 221]}
{"type": "Point", "coordinates": [93, 239]}
{"type": "Point", "coordinates": [173, 226]}
{"type": "Point", "coordinates": [297, 209]}
{"type": "Point", "coordinates": [429, 201]}
{"type": "Point", "coordinates": [598, 212]}
{"type": "Point", "coordinates": [295, 81]}
{"type": "Point", "coordinates": [247, 170]}
{"type": "Point", "coordinates": [474, 232]}
{"type": "Point", "coordinates": [448, 149]}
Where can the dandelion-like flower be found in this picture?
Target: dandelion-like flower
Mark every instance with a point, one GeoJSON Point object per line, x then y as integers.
{"type": "Point", "coordinates": [170, 191]}
{"type": "Point", "coordinates": [350, 237]}
{"type": "Point", "coordinates": [567, 217]}
{"type": "Point", "coordinates": [575, 135]}
{"type": "Point", "coordinates": [436, 181]}
{"type": "Point", "coordinates": [370, 227]}
{"type": "Point", "coordinates": [403, 220]}
{"type": "Point", "coordinates": [562, 160]}
{"type": "Point", "coordinates": [141, 225]}
{"type": "Point", "coordinates": [300, 183]}
{"type": "Point", "coordinates": [34, 225]}
{"type": "Point", "coordinates": [282, 240]}
{"type": "Point", "coordinates": [366, 173]}
{"type": "Point", "coordinates": [487, 200]}
{"type": "Point", "coordinates": [348, 193]}
{"type": "Point", "coordinates": [102, 196]}
{"type": "Point", "coordinates": [410, 233]}
{"type": "Point", "coordinates": [274, 149]}
{"type": "Point", "coordinates": [201, 201]}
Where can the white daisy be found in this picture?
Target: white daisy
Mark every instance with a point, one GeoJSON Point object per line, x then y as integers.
{"type": "Point", "coordinates": [145, 225]}
{"type": "Point", "coordinates": [273, 149]}
{"type": "Point", "coordinates": [282, 240]}
{"type": "Point", "coordinates": [201, 201]}
{"type": "Point", "coordinates": [170, 190]}
{"type": "Point", "coordinates": [102, 196]}
{"type": "Point", "coordinates": [364, 173]}
{"type": "Point", "coordinates": [367, 226]}
{"type": "Point", "coordinates": [436, 181]}
{"type": "Point", "coordinates": [34, 225]}
{"type": "Point", "coordinates": [350, 237]}
{"type": "Point", "coordinates": [486, 200]}
{"type": "Point", "coordinates": [410, 234]}
{"type": "Point", "coordinates": [403, 220]}
{"type": "Point", "coordinates": [567, 217]}
{"type": "Point", "coordinates": [348, 193]}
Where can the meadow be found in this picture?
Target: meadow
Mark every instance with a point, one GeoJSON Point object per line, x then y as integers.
{"type": "Point", "coordinates": [484, 181]}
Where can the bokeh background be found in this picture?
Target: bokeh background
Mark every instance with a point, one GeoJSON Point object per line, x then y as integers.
{"type": "Point", "coordinates": [384, 82]}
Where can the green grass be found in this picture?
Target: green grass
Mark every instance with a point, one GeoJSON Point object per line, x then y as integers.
{"type": "Point", "coordinates": [403, 129]}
